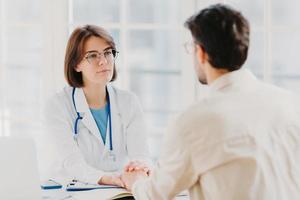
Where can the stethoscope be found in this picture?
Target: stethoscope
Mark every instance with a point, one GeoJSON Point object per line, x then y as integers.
{"type": "Point", "coordinates": [80, 118]}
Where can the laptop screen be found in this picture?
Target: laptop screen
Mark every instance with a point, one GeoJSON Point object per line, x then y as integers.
{"type": "Point", "coordinates": [18, 169]}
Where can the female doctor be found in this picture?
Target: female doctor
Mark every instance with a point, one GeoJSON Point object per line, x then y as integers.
{"type": "Point", "coordinates": [94, 127]}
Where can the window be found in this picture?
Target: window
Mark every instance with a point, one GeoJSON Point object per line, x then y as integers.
{"type": "Point", "coordinates": [284, 38]}
{"type": "Point", "coordinates": [21, 41]}
{"type": "Point", "coordinates": [274, 39]}
{"type": "Point", "coordinates": [152, 62]}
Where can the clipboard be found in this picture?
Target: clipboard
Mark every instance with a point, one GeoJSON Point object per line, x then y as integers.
{"type": "Point", "coordinates": [76, 185]}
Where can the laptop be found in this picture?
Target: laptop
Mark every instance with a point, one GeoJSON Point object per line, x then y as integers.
{"type": "Point", "coordinates": [18, 169]}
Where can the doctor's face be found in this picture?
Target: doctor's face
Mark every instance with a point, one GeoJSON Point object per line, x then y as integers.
{"type": "Point", "coordinates": [98, 61]}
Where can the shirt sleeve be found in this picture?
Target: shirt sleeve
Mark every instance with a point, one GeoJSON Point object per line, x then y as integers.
{"type": "Point", "coordinates": [62, 157]}
{"type": "Point", "coordinates": [174, 171]}
{"type": "Point", "coordinates": [193, 146]}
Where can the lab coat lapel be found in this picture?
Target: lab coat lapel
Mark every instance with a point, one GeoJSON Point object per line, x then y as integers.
{"type": "Point", "coordinates": [115, 116]}
{"type": "Point", "coordinates": [88, 119]}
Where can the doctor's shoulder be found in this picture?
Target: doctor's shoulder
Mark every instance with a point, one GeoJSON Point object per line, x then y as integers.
{"type": "Point", "coordinates": [127, 103]}
{"type": "Point", "coordinates": [60, 101]}
{"type": "Point", "coordinates": [125, 98]}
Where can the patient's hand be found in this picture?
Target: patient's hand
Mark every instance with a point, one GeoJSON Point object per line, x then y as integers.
{"type": "Point", "coordinates": [137, 166]}
{"type": "Point", "coordinates": [111, 180]}
{"type": "Point", "coordinates": [129, 178]}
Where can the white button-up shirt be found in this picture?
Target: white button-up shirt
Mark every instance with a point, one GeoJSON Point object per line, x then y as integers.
{"type": "Point", "coordinates": [241, 142]}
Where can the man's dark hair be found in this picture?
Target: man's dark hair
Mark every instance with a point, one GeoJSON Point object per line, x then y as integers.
{"type": "Point", "coordinates": [223, 33]}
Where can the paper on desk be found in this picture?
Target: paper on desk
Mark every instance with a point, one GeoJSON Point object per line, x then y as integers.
{"type": "Point", "coordinates": [111, 194]}
{"type": "Point", "coordinates": [99, 194]}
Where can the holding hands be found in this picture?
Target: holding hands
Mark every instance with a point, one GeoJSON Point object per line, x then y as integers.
{"type": "Point", "coordinates": [133, 171]}
{"type": "Point", "coordinates": [111, 180]}
{"type": "Point", "coordinates": [137, 166]}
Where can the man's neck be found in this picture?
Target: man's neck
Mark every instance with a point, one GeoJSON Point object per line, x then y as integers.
{"type": "Point", "coordinates": [212, 74]}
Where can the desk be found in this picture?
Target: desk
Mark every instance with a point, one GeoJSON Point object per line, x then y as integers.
{"type": "Point", "coordinates": [62, 194]}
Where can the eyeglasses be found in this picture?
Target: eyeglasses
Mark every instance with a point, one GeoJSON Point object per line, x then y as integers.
{"type": "Point", "coordinates": [189, 47]}
{"type": "Point", "coordinates": [94, 57]}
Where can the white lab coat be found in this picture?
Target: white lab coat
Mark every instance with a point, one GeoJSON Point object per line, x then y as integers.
{"type": "Point", "coordinates": [82, 158]}
{"type": "Point", "coordinates": [242, 142]}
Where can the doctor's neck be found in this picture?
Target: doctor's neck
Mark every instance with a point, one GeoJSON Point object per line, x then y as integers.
{"type": "Point", "coordinates": [95, 95]}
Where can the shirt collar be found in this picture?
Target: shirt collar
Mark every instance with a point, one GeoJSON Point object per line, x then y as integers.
{"type": "Point", "coordinates": [238, 77]}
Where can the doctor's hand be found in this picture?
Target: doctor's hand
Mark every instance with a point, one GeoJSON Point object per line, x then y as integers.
{"type": "Point", "coordinates": [111, 180]}
{"type": "Point", "coordinates": [137, 166]}
{"type": "Point", "coordinates": [129, 178]}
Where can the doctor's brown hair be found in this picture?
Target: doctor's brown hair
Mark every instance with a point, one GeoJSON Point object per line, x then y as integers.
{"type": "Point", "coordinates": [74, 52]}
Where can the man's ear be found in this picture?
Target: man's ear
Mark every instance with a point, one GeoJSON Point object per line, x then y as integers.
{"type": "Point", "coordinates": [200, 54]}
